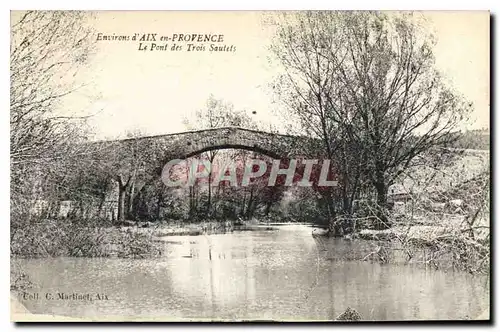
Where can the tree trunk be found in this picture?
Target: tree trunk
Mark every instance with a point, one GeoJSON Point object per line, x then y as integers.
{"type": "Point", "coordinates": [243, 205]}
{"type": "Point", "coordinates": [346, 208]}
{"type": "Point", "coordinates": [249, 206]}
{"type": "Point", "coordinates": [332, 214]}
{"type": "Point", "coordinates": [195, 199]}
{"type": "Point", "coordinates": [81, 209]}
{"type": "Point", "coordinates": [122, 189]}
{"type": "Point", "coordinates": [190, 201]}
{"type": "Point", "coordinates": [121, 203]}
{"type": "Point", "coordinates": [130, 206]}
{"type": "Point", "coordinates": [217, 196]}
{"type": "Point", "coordinates": [269, 203]}
{"type": "Point", "coordinates": [382, 220]}
{"type": "Point", "coordinates": [158, 205]}
{"type": "Point", "coordinates": [209, 201]}
{"type": "Point", "coordinates": [211, 158]}
{"type": "Point", "coordinates": [101, 204]}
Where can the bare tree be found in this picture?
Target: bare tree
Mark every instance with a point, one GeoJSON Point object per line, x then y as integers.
{"type": "Point", "coordinates": [132, 165]}
{"type": "Point", "coordinates": [47, 50]}
{"type": "Point", "coordinates": [217, 113]}
{"type": "Point", "coordinates": [366, 85]}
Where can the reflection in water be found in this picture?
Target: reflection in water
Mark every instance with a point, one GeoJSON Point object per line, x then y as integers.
{"type": "Point", "coordinates": [277, 275]}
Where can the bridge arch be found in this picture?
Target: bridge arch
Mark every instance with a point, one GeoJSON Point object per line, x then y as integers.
{"type": "Point", "coordinates": [191, 143]}
{"type": "Point", "coordinates": [188, 144]}
{"type": "Point", "coordinates": [211, 147]}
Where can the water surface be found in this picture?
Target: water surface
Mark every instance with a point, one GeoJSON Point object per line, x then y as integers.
{"type": "Point", "coordinates": [271, 275]}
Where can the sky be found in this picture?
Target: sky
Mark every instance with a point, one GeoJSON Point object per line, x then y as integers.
{"type": "Point", "coordinates": [155, 91]}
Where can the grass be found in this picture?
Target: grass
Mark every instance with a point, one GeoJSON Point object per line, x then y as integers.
{"type": "Point", "coordinates": [459, 241]}
{"type": "Point", "coordinates": [55, 238]}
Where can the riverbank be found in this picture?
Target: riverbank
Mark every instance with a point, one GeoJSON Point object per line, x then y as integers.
{"type": "Point", "coordinates": [65, 238]}
{"type": "Point", "coordinates": [445, 246]}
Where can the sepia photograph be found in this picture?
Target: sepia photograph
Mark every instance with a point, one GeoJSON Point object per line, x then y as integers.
{"type": "Point", "coordinates": [250, 166]}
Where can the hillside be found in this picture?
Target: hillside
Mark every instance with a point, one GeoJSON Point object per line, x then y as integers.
{"type": "Point", "coordinates": [474, 139]}
{"type": "Point", "coordinates": [458, 170]}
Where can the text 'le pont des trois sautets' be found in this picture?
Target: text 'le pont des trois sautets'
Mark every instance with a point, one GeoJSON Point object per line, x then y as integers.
{"type": "Point", "coordinates": [188, 42]}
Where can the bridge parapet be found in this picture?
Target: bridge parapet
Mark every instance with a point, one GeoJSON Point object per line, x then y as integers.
{"type": "Point", "coordinates": [188, 144]}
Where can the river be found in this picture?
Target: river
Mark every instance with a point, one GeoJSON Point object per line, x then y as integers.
{"type": "Point", "coordinates": [282, 274]}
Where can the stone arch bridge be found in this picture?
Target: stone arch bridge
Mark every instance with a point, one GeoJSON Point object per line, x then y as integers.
{"type": "Point", "coordinates": [187, 144]}
{"type": "Point", "coordinates": [156, 151]}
